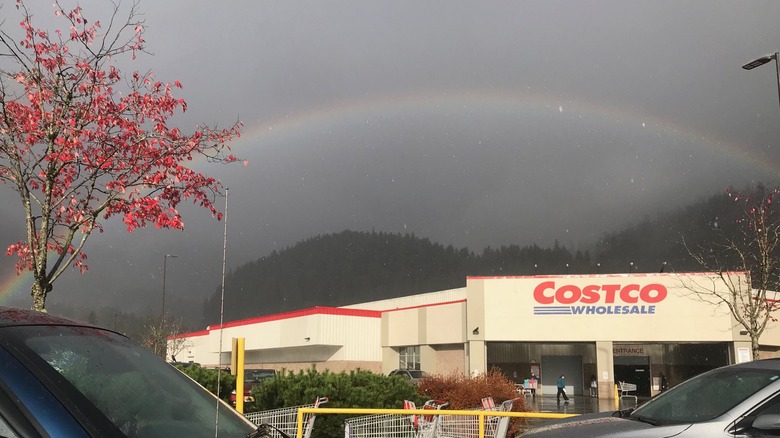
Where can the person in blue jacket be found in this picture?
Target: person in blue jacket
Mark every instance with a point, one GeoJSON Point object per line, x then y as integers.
{"type": "Point", "coordinates": [562, 389]}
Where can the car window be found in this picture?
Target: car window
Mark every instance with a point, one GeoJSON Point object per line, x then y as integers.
{"type": "Point", "coordinates": [256, 376]}
{"type": "Point", "coordinates": [141, 395]}
{"type": "Point", "coordinates": [707, 396]}
{"type": "Point", "coordinates": [5, 429]}
{"type": "Point", "coordinates": [769, 407]}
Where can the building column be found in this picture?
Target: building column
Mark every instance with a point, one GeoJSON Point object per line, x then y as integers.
{"type": "Point", "coordinates": [477, 357]}
{"type": "Point", "coordinates": [605, 366]}
{"type": "Point", "coordinates": [428, 359]}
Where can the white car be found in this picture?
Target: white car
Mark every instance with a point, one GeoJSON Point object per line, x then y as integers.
{"type": "Point", "coordinates": [733, 401]}
{"type": "Point", "coordinates": [413, 376]}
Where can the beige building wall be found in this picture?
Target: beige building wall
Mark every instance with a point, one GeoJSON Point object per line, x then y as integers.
{"type": "Point", "coordinates": [454, 327]}
{"type": "Point", "coordinates": [512, 310]}
{"type": "Point", "coordinates": [295, 342]}
{"type": "Point", "coordinates": [450, 359]}
{"type": "Point", "coordinates": [428, 327]}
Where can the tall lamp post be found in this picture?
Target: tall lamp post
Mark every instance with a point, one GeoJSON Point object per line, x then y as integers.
{"type": "Point", "coordinates": [763, 60]}
{"type": "Point", "coordinates": [165, 269]}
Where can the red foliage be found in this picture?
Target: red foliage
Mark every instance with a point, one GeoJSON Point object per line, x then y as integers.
{"type": "Point", "coordinates": [80, 141]}
{"type": "Point", "coordinates": [467, 392]}
{"type": "Point", "coordinates": [463, 392]}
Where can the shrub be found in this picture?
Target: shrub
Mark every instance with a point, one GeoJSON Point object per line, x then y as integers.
{"type": "Point", "coordinates": [208, 379]}
{"type": "Point", "coordinates": [356, 389]}
{"type": "Point", "coordinates": [463, 392]}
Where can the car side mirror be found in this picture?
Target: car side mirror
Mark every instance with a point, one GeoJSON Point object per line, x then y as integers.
{"type": "Point", "coordinates": [767, 422]}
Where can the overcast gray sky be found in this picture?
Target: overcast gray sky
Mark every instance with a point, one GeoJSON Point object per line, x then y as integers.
{"type": "Point", "coordinates": [468, 123]}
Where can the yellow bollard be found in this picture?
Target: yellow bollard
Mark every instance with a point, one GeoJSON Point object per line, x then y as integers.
{"type": "Point", "coordinates": [617, 398]}
{"type": "Point", "coordinates": [239, 352]}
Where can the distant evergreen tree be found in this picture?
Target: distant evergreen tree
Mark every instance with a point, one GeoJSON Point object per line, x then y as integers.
{"type": "Point", "coordinates": [352, 267]}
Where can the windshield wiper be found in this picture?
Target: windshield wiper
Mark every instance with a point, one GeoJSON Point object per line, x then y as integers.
{"type": "Point", "coordinates": [624, 413]}
{"type": "Point", "coordinates": [264, 430]}
{"type": "Point", "coordinates": [647, 420]}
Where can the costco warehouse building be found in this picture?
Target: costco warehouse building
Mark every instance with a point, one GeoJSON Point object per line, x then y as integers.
{"type": "Point", "coordinates": [618, 327]}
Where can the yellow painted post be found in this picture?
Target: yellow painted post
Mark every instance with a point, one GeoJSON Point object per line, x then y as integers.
{"type": "Point", "coordinates": [233, 355]}
{"type": "Point", "coordinates": [239, 374]}
{"type": "Point", "coordinates": [617, 398]}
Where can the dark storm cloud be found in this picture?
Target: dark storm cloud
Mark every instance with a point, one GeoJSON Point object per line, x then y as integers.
{"type": "Point", "coordinates": [470, 123]}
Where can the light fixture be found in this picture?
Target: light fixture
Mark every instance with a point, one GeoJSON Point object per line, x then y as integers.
{"type": "Point", "coordinates": [759, 61]}
{"type": "Point", "coordinates": [307, 339]}
{"type": "Point", "coordinates": [475, 331]}
{"type": "Point", "coordinates": [764, 60]}
{"type": "Point", "coordinates": [743, 332]}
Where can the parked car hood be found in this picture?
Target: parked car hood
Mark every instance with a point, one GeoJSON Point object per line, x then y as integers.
{"type": "Point", "coordinates": [603, 425]}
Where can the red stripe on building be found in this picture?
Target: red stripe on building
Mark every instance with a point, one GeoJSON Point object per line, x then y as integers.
{"type": "Point", "coordinates": [299, 313]}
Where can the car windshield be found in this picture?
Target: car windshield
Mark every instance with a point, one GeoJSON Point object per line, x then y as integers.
{"type": "Point", "coordinates": [705, 397]}
{"type": "Point", "coordinates": [140, 394]}
{"type": "Point", "coordinates": [258, 375]}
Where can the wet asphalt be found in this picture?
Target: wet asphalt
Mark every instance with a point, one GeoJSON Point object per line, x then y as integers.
{"type": "Point", "coordinates": [577, 404]}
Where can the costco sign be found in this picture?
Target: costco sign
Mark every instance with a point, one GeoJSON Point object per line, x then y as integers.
{"type": "Point", "coordinates": [598, 299]}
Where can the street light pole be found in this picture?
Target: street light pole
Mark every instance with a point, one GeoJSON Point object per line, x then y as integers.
{"type": "Point", "coordinates": [763, 60]}
{"type": "Point", "coordinates": [165, 269]}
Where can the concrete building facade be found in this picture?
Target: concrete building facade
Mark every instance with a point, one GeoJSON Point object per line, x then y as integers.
{"type": "Point", "coordinates": [621, 327]}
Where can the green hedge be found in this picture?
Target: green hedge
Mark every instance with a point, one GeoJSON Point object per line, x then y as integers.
{"type": "Point", "coordinates": [356, 389]}
{"type": "Point", "coordinates": [208, 379]}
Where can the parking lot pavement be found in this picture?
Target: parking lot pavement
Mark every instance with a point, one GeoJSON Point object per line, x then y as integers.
{"type": "Point", "coordinates": [577, 404]}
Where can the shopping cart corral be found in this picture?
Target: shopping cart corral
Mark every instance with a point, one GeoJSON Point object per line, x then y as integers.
{"type": "Point", "coordinates": [397, 426]}
{"type": "Point", "coordinates": [430, 426]}
{"type": "Point", "coordinates": [461, 426]}
{"type": "Point", "coordinates": [285, 420]}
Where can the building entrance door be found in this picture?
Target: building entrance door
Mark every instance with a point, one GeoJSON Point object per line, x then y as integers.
{"type": "Point", "coordinates": [555, 366]}
{"type": "Point", "coordinates": [636, 370]}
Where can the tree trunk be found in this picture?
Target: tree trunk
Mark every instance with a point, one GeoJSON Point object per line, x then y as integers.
{"type": "Point", "coordinates": [754, 345]}
{"type": "Point", "coordinates": [38, 293]}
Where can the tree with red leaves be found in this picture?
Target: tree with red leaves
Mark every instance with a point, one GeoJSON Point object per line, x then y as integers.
{"type": "Point", "coordinates": [81, 142]}
{"type": "Point", "coordinates": [744, 255]}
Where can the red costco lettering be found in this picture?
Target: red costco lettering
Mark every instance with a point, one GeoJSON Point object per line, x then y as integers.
{"type": "Point", "coordinates": [546, 293]}
{"type": "Point", "coordinates": [539, 294]}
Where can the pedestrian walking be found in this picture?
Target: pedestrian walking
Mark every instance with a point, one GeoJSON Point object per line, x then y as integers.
{"type": "Point", "coordinates": [562, 389]}
{"type": "Point", "coordinates": [664, 383]}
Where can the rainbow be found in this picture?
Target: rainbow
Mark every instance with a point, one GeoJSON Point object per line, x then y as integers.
{"type": "Point", "coordinates": [520, 103]}
{"type": "Point", "coordinates": [12, 283]}
{"type": "Point", "coordinates": [263, 135]}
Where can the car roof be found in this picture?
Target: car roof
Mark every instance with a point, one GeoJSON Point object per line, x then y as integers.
{"type": "Point", "coordinates": [11, 316]}
{"type": "Point", "coordinates": [768, 364]}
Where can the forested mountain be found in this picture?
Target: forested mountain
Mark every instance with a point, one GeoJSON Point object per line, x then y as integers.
{"type": "Point", "coordinates": [351, 267]}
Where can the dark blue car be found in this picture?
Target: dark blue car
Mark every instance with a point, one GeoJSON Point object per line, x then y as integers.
{"type": "Point", "coordinates": [60, 378]}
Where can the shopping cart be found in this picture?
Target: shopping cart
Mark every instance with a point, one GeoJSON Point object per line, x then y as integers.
{"type": "Point", "coordinates": [430, 426]}
{"type": "Point", "coordinates": [397, 426]}
{"type": "Point", "coordinates": [463, 426]}
{"type": "Point", "coordinates": [286, 419]}
{"type": "Point", "coordinates": [625, 389]}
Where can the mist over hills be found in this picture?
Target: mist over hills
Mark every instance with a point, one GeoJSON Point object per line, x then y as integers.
{"type": "Point", "coordinates": [351, 267]}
